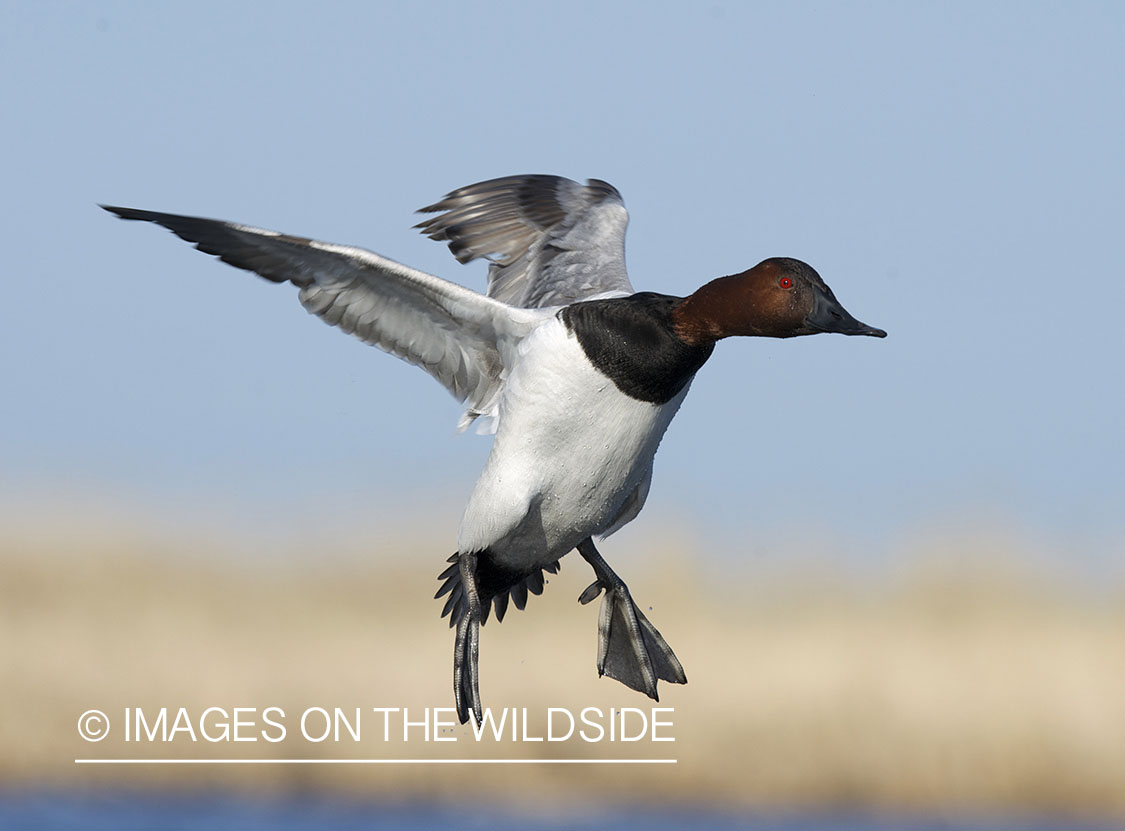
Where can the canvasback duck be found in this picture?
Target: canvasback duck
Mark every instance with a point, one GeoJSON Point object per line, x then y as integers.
{"type": "Point", "coordinates": [576, 374]}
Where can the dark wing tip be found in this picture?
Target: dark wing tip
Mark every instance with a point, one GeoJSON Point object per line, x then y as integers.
{"type": "Point", "coordinates": [126, 213]}
{"type": "Point", "coordinates": [252, 249]}
{"type": "Point", "coordinates": [604, 190]}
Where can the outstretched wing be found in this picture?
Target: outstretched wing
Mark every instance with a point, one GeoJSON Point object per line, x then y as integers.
{"type": "Point", "coordinates": [551, 241]}
{"type": "Point", "coordinates": [457, 335]}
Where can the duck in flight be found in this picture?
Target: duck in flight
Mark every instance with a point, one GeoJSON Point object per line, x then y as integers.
{"type": "Point", "coordinates": [577, 375]}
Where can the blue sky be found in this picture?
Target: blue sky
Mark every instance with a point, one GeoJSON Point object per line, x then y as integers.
{"type": "Point", "coordinates": [954, 171]}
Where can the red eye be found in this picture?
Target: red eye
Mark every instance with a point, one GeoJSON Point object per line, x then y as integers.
{"type": "Point", "coordinates": [785, 283]}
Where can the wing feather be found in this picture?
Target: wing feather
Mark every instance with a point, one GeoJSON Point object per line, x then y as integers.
{"type": "Point", "coordinates": [550, 241]}
{"type": "Point", "coordinates": [462, 338]}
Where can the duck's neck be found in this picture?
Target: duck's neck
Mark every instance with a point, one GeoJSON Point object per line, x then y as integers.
{"type": "Point", "coordinates": [716, 310]}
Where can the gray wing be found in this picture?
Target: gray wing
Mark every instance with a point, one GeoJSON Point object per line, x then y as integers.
{"type": "Point", "coordinates": [551, 241]}
{"type": "Point", "coordinates": [459, 336]}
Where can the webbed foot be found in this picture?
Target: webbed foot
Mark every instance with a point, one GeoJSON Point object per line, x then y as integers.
{"type": "Point", "coordinates": [466, 651]}
{"type": "Point", "coordinates": [630, 649]}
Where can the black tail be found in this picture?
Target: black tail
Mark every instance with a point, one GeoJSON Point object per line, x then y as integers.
{"type": "Point", "coordinates": [495, 583]}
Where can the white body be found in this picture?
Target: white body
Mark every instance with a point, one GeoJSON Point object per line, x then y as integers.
{"type": "Point", "coordinates": [572, 457]}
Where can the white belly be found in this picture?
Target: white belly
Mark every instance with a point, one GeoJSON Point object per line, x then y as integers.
{"type": "Point", "coordinates": [569, 452]}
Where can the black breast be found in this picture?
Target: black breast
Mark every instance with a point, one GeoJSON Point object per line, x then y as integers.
{"type": "Point", "coordinates": [632, 342]}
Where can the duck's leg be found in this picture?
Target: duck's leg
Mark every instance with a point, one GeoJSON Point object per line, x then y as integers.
{"type": "Point", "coordinates": [629, 647]}
{"type": "Point", "coordinates": [466, 687]}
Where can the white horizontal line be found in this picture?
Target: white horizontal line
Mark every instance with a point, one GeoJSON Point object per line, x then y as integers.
{"type": "Point", "coordinates": [375, 761]}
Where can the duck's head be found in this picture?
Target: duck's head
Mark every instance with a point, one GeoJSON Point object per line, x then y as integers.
{"type": "Point", "coordinates": [778, 298]}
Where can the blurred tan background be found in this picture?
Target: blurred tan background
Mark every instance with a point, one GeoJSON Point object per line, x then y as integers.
{"type": "Point", "coordinates": [967, 676]}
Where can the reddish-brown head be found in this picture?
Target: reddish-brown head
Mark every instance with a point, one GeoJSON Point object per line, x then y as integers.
{"type": "Point", "coordinates": [778, 298]}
